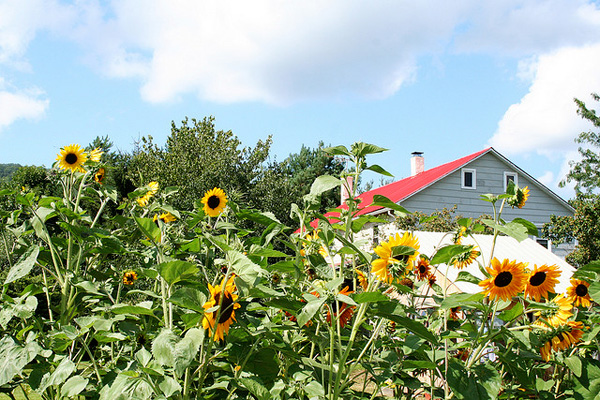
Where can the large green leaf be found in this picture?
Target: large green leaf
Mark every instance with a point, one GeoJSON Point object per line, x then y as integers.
{"type": "Point", "coordinates": [310, 309]}
{"type": "Point", "coordinates": [73, 386]}
{"type": "Point", "coordinates": [14, 357]}
{"type": "Point", "coordinates": [175, 271]}
{"type": "Point", "coordinates": [383, 201]}
{"type": "Point", "coordinates": [149, 228]}
{"type": "Point", "coordinates": [378, 169]}
{"type": "Point", "coordinates": [190, 298]}
{"type": "Point", "coordinates": [23, 266]}
{"type": "Point", "coordinates": [515, 229]}
{"type": "Point", "coordinates": [256, 387]}
{"type": "Point", "coordinates": [446, 253]}
{"type": "Point", "coordinates": [247, 270]}
{"type": "Point", "coordinates": [324, 183]}
{"type": "Point", "coordinates": [395, 312]}
{"type": "Point", "coordinates": [59, 375]}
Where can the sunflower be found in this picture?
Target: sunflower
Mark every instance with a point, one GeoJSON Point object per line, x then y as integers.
{"type": "Point", "coordinates": [152, 190]}
{"type": "Point", "coordinates": [464, 259]}
{"type": "Point", "coordinates": [129, 277]}
{"type": "Point", "coordinates": [562, 338]}
{"type": "Point", "coordinates": [223, 294]}
{"type": "Point", "coordinates": [559, 313]}
{"type": "Point", "coordinates": [214, 202]}
{"type": "Point", "coordinates": [423, 268]}
{"type": "Point", "coordinates": [96, 154]}
{"type": "Point", "coordinates": [507, 279]}
{"type": "Point", "coordinates": [385, 253]}
{"type": "Point", "coordinates": [541, 281]}
{"type": "Point", "coordinates": [362, 279]}
{"type": "Point", "coordinates": [164, 217]}
{"type": "Point", "coordinates": [72, 158]}
{"type": "Point", "coordinates": [520, 197]}
{"type": "Point", "coordinates": [579, 293]}
{"type": "Point", "coordinates": [431, 280]}
{"type": "Point", "coordinates": [99, 175]}
{"type": "Point", "coordinates": [454, 313]}
{"type": "Point", "coordinates": [311, 245]}
{"type": "Point", "coordinates": [345, 312]}
{"type": "Point", "coordinates": [408, 283]}
{"type": "Point", "coordinates": [459, 234]}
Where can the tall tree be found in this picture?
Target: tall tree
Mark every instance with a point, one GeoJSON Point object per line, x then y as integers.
{"type": "Point", "coordinates": [196, 158]}
{"type": "Point", "coordinates": [586, 176]}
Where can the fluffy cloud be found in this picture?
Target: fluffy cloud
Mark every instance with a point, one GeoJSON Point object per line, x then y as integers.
{"type": "Point", "coordinates": [274, 52]}
{"type": "Point", "coordinates": [545, 119]}
{"type": "Point", "coordinates": [19, 105]}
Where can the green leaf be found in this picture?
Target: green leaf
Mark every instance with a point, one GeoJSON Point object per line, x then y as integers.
{"type": "Point", "coordinates": [60, 374]}
{"type": "Point", "coordinates": [314, 390]}
{"type": "Point", "coordinates": [361, 149]}
{"type": "Point", "coordinates": [175, 271]}
{"type": "Point", "coordinates": [283, 266]}
{"type": "Point", "coordinates": [382, 201]}
{"type": "Point", "coordinates": [263, 218]}
{"type": "Point", "coordinates": [378, 169]}
{"type": "Point", "coordinates": [511, 314]}
{"type": "Point", "coordinates": [594, 290]}
{"type": "Point", "coordinates": [24, 265]}
{"type": "Point", "coordinates": [310, 309]}
{"type": "Point", "coordinates": [73, 386]}
{"type": "Point", "coordinates": [244, 267]}
{"type": "Point", "coordinates": [529, 226]}
{"type": "Point", "coordinates": [256, 387]}
{"type": "Point", "coordinates": [143, 308]}
{"type": "Point", "coordinates": [187, 349]}
{"type": "Point", "coordinates": [324, 183]}
{"type": "Point", "coordinates": [149, 228]}
{"type": "Point", "coordinates": [169, 386]}
{"type": "Point", "coordinates": [189, 298]}
{"type": "Point", "coordinates": [574, 364]}
{"type": "Point", "coordinates": [393, 311]}
{"type": "Point", "coordinates": [268, 253]}
{"type": "Point", "coordinates": [340, 150]}
{"type": "Point", "coordinates": [370, 297]}
{"type": "Point", "coordinates": [13, 358]}
{"type": "Point", "coordinates": [515, 230]}
{"type": "Point", "coordinates": [446, 253]}
{"type": "Point", "coordinates": [163, 347]}
{"type": "Point", "coordinates": [465, 276]}
{"type": "Point", "coordinates": [460, 299]}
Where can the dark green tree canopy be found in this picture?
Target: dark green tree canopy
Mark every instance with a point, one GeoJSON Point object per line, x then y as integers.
{"type": "Point", "coordinates": [586, 173]}
{"type": "Point", "coordinates": [197, 158]}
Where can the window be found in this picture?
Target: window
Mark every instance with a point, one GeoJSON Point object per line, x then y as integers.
{"type": "Point", "coordinates": [510, 177]}
{"type": "Point", "coordinates": [469, 178]}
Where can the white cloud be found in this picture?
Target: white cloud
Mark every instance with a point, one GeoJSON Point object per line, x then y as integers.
{"type": "Point", "coordinates": [275, 52]}
{"type": "Point", "coordinates": [20, 105]}
{"type": "Point", "coordinates": [545, 120]}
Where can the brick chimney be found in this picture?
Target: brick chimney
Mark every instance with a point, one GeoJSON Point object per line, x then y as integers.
{"type": "Point", "coordinates": [417, 163]}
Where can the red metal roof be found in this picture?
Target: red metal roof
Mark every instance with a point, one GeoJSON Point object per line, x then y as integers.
{"type": "Point", "coordinates": [404, 188]}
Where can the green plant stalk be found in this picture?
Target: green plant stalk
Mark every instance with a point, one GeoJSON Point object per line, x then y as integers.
{"type": "Point", "coordinates": [46, 292]}
{"type": "Point", "coordinates": [93, 359]}
{"type": "Point", "coordinates": [362, 309]}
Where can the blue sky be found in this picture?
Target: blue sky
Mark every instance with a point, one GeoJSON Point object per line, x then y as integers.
{"type": "Point", "coordinates": [445, 78]}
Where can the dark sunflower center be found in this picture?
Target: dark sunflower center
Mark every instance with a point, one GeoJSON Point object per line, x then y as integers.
{"type": "Point", "coordinates": [213, 202]}
{"type": "Point", "coordinates": [71, 158]}
{"type": "Point", "coordinates": [537, 279]}
{"type": "Point", "coordinates": [503, 279]}
{"type": "Point", "coordinates": [226, 307]}
{"type": "Point", "coordinates": [422, 269]}
{"type": "Point", "coordinates": [581, 290]}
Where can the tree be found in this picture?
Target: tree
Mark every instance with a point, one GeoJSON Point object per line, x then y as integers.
{"type": "Point", "coordinates": [197, 158]}
{"type": "Point", "coordinates": [586, 176]}
{"type": "Point", "coordinates": [305, 166]}
{"type": "Point", "coordinates": [586, 173]}
{"type": "Point", "coordinates": [7, 170]}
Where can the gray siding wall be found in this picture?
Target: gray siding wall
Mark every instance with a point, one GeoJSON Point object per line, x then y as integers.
{"type": "Point", "coordinates": [489, 179]}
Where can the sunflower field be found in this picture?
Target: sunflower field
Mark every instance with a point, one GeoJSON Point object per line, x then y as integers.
{"type": "Point", "coordinates": [229, 303]}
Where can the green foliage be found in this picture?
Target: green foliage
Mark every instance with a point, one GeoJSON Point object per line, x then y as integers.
{"type": "Point", "coordinates": [586, 172]}
{"type": "Point", "coordinates": [583, 227]}
{"type": "Point", "coordinates": [443, 220]}
{"type": "Point", "coordinates": [142, 306]}
{"type": "Point", "coordinates": [7, 170]}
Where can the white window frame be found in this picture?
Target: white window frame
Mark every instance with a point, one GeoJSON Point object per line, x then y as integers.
{"type": "Point", "coordinates": [515, 178]}
{"type": "Point", "coordinates": [474, 178]}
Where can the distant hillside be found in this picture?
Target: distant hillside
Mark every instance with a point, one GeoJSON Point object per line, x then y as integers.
{"type": "Point", "coordinates": [7, 170]}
